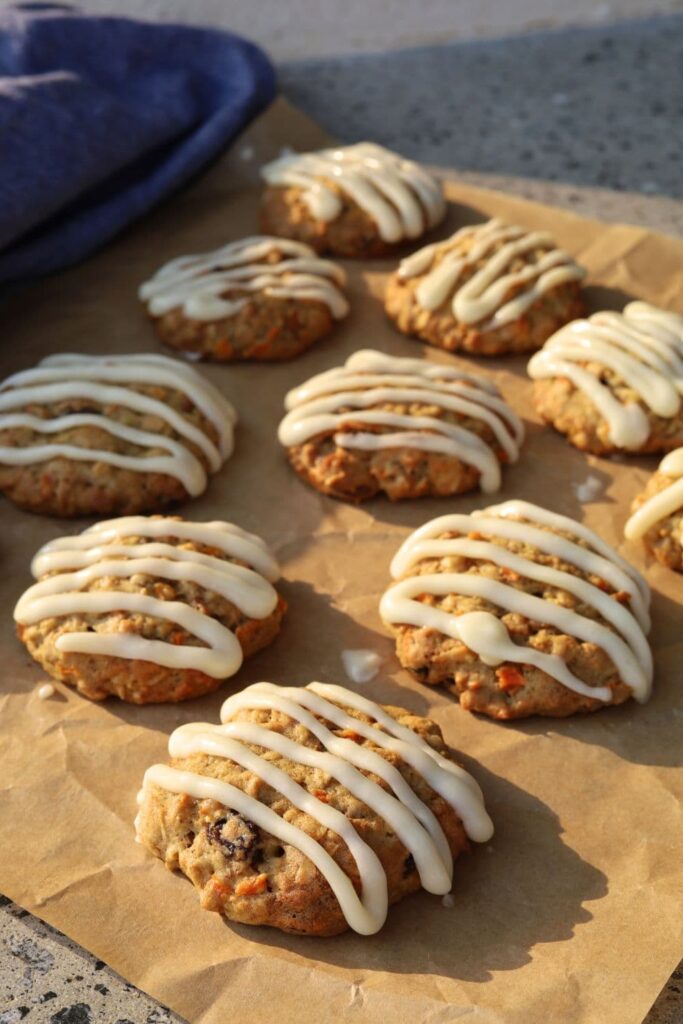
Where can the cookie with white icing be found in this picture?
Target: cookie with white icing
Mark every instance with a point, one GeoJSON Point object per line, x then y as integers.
{"type": "Point", "coordinates": [614, 382]}
{"type": "Point", "coordinates": [356, 201]}
{"type": "Point", "coordinates": [657, 513]}
{"type": "Point", "coordinates": [84, 435]}
{"type": "Point", "coordinates": [260, 298]}
{"type": "Point", "coordinates": [150, 609]}
{"type": "Point", "coordinates": [403, 427]}
{"type": "Point", "coordinates": [310, 809]}
{"type": "Point", "coordinates": [520, 611]}
{"type": "Point", "coordinates": [490, 289]}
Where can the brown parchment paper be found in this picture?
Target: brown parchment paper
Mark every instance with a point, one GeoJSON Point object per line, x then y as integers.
{"type": "Point", "coordinates": [573, 912]}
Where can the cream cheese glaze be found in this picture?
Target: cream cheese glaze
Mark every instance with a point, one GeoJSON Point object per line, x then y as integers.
{"type": "Point", "coordinates": [662, 504]}
{"type": "Point", "coordinates": [400, 196]}
{"type": "Point", "coordinates": [622, 638]}
{"type": "Point", "coordinates": [361, 665]}
{"type": "Point", "coordinates": [76, 562]}
{"type": "Point", "coordinates": [643, 346]}
{"type": "Point", "coordinates": [110, 380]}
{"type": "Point", "coordinates": [346, 761]}
{"type": "Point", "coordinates": [484, 297]}
{"type": "Point", "coordinates": [349, 394]}
{"type": "Point", "coordinates": [208, 286]}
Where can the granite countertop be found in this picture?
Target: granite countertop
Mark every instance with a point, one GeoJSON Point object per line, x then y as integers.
{"type": "Point", "coordinates": [589, 119]}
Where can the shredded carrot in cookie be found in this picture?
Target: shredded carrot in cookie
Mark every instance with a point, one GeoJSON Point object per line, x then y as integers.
{"type": "Point", "coordinates": [251, 886]}
{"type": "Point", "coordinates": [509, 678]}
{"type": "Point", "coordinates": [223, 348]}
{"type": "Point", "coordinates": [349, 734]}
{"type": "Point", "coordinates": [220, 888]}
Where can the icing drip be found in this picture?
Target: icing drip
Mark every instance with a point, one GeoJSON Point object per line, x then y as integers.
{"type": "Point", "coordinates": [45, 691]}
{"type": "Point", "coordinates": [109, 381]}
{"type": "Point", "coordinates": [664, 503]}
{"type": "Point", "coordinates": [346, 761]}
{"type": "Point", "coordinates": [99, 552]}
{"type": "Point", "coordinates": [643, 346]}
{"type": "Point", "coordinates": [484, 296]}
{"type": "Point", "coordinates": [400, 196]}
{"type": "Point", "coordinates": [210, 286]}
{"type": "Point", "coordinates": [589, 489]}
{"type": "Point", "coordinates": [622, 638]}
{"type": "Point", "coordinates": [360, 665]}
{"type": "Point", "coordinates": [348, 396]}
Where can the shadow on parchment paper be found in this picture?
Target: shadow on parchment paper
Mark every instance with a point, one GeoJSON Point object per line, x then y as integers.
{"type": "Point", "coordinates": [539, 476]}
{"type": "Point", "coordinates": [318, 646]}
{"type": "Point", "coordinates": [600, 296]}
{"type": "Point", "coordinates": [463, 942]}
{"type": "Point", "coordinates": [459, 215]}
{"type": "Point", "coordinates": [628, 730]}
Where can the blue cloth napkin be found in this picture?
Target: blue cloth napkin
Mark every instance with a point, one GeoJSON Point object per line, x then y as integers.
{"type": "Point", "coordinates": [101, 117]}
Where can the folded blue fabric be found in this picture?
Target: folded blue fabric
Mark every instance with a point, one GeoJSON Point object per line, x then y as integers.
{"type": "Point", "coordinates": [101, 117]}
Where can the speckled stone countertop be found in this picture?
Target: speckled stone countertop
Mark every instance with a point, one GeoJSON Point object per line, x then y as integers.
{"type": "Point", "coordinates": [586, 118]}
{"type": "Point", "coordinates": [585, 107]}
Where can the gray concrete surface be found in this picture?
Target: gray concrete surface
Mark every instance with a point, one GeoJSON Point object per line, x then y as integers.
{"type": "Point", "coordinates": [587, 118]}
{"type": "Point", "coordinates": [600, 106]}
{"type": "Point", "coordinates": [290, 29]}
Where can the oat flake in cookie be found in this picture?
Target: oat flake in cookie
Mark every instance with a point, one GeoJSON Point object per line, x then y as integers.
{"type": "Point", "coordinates": [357, 201]}
{"type": "Point", "coordinates": [150, 609]}
{"type": "Point", "coordinates": [657, 513]}
{"type": "Point", "coordinates": [403, 427]}
{"type": "Point", "coordinates": [259, 298]}
{"type": "Point", "coordinates": [490, 289]}
{"type": "Point", "coordinates": [520, 611]}
{"type": "Point", "coordinates": [614, 382]}
{"type": "Point", "coordinates": [310, 809]}
{"type": "Point", "coordinates": [84, 435]}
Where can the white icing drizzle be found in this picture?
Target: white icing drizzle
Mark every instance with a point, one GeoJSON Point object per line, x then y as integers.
{"type": "Point", "coordinates": [99, 552]}
{"type": "Point", "coordinates": [484, 296]}
{"type": "Point", "coordinates": [623, 639]}
{"type": "Point", "coordinates": [346, 761]}
{"type": "Point", "coordinates": [361, 665]}
{"type": "Point", "coordinates": [210, 285]}
{"type": "Point", "coordinates": [589, 489]}
{"type": "Point", "coordinates": [662, 504]}
{"type": "Point", "coordinates": [400, 196]}
{"type": "Point", "coordinates": [643, 346]}
{"type": "Point", "coordinates": [107, 380]}
{"type": "Point", "coordinates": [371, 378]}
